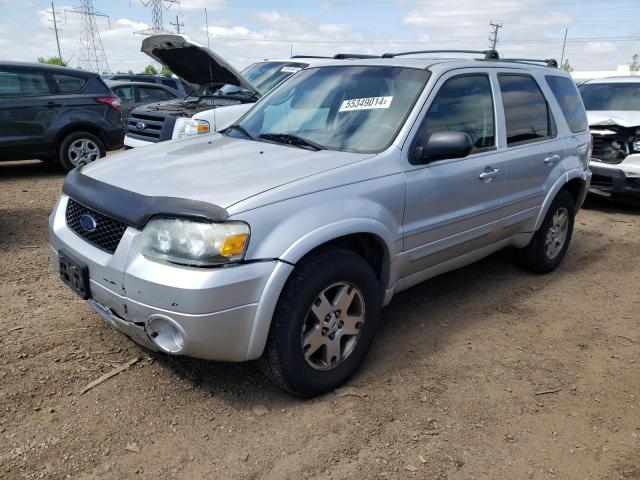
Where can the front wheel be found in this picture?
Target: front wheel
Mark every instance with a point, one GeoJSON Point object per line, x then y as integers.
{"type": "Point", "coordinates": [78, 149]}
{"type": "Point", "coordinates": [549, 244]}
{"type": "Point", "coordinates": [324, 323]}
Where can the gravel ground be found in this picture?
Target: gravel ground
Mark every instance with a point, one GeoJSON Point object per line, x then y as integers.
{"type": "Point", "coordinates": [448, 391]}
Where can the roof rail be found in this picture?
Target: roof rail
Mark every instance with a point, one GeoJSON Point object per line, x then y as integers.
{"type": "Point", "coordinates": [488, 54]}
{"type": "Point", "coordinates": [345, 56]}
{"type": "Point", "coordinates": [549, 62]}
{"type": "Point", "coordinates": [307, 56]}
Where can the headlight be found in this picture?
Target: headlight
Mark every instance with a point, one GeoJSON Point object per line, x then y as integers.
{"type": "Point", "coordinates": [194, 243]}
{"type": "Point", "coordinates": [185, 127]}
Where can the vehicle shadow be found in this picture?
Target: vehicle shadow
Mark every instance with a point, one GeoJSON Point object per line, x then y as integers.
{"type": "Point", "coordinates": [29, 169]}
{"type": "Point", "coordinates": [412, 322]}
{"type": "Point", "coordinates": [608, 206]}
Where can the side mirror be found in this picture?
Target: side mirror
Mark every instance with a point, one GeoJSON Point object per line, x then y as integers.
{"type": "Point", "coordinates": [441, 146]}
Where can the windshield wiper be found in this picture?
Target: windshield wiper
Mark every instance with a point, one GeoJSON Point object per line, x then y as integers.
{"type": "Point", "coordinates": [294, 140]}
{"type": "Point", "coordinates": [239, 128]}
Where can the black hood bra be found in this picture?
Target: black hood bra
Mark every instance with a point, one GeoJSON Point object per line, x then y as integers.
{"type": "Point", "coordinates": [133, 208]}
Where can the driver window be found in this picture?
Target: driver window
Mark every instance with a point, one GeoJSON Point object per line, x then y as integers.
{"type": "Point", "coordinates": [463, 104]}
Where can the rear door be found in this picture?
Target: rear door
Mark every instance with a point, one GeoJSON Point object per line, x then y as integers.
{"type": "Point", "coordinates": [453, 206]}
{"type": "Point", "coordinates": [27, 107]}
{"type": "Point", "coordinates": [535, 152]}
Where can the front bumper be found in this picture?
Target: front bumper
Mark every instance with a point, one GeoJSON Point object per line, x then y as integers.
{"type": "Point", "coordinates": [221, 313]}
{"type": "Point", "coordinates": [135, 143]}
{"type": "Point", "coordinates": [613, 183]}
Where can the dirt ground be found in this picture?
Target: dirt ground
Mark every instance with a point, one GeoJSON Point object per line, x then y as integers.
{"type": "Point", "coordinates": [451, 389]}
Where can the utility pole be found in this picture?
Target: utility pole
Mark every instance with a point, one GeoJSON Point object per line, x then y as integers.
{"type": "Point", "coordinates": [564, 44]}
{"type": "Point", "coordinates": [177, 24]}
{"type": "Point", "coordinates": [55, 29]}
{"type": "Point", "coordinates": [494, 34]}
{"type": "Point", "coordinates": [157, 6]}
{"type": "Point", "coordinates": [92, 56]}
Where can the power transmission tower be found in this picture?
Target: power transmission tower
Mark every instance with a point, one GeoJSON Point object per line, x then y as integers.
{"type": "Point", "coordinates": [92, 56]}
{"type": "Point", "coordinates": [494, 34]}
{"type": "Point", "coordinates": [157, 6]}
{"type": "Point", "coordinates": [55, 21]}
{"type": "Point", "coordinates": [177, 24]}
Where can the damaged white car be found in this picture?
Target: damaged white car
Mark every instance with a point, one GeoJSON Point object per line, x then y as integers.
{"type": "Point", "coordinates": [613, 110]}
{"type": "Point", "coordinates": [222, 94]}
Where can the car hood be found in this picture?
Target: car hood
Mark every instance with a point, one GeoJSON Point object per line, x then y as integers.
{"type": "Point", "coordinates": [192, 62]}
{"type": "Point", "coordinates": [622, 118]}
{"type": "Point", "coordinates": [216, 169]}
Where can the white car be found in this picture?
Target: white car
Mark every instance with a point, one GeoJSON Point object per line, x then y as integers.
{"type": "Point", "coordinates": [222, 94]}
{"type": "Point", "coordinates": [613, 109]}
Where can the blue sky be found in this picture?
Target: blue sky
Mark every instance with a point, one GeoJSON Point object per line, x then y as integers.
{"type": "Point", "coordinates": [602, 33]}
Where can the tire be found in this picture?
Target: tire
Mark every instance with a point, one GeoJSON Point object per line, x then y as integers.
{"type": "Point", "coordinates": [79, 148]}
{"type": "Point", "coordinates": [539, 256]}
{"type": "Point", "coordinates": [314, 371]}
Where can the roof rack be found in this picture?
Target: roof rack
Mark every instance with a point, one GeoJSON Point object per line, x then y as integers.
{"type": "Point", "coordinates": [345, 56]}
{"type": "Point", "coordinates": [488, 54]}
{"type": "Point", "coordinates": [308, 56]}
{"type": "Point", "coordinates": [549, 62]}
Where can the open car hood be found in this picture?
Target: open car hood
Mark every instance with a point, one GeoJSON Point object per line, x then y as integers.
{"type": "Point", "coordinates": [191, 62]}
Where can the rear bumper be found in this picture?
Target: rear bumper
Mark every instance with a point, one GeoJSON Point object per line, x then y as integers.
{"type": "Point", "coordinates": [612, 183]}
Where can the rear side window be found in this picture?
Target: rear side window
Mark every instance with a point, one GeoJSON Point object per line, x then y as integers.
{"type": "Point", "coordinates": [525, 109]}
{"type": "Point", "coordinates": [125, 94]}
{"type": "Point", "coordinates": [150, 94]}
{"type": "Point", "coordinates": [68, 83]}
{"type": "Point", "coordinates": [463, 104]}
{"type": "Point", "coordinates": [169, 83]}
{"type": "Point", "coordinates": [567, 95]}
{"type": "Point", "coordinates": [18, 83]}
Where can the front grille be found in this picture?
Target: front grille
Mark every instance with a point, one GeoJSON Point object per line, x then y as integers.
{"type": "Point", "coordinates": [107, 233]}
{"type": "Point", "coordinates": [157, 127]}
{"type": "Point", "coordinates": [611, 149]}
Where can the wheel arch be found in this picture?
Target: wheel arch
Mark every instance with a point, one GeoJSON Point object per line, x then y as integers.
{"type": "Point", "coordinates": [573, 182]}
{"type": "Point", "coordinates": [80, 127]}
{"type": "Point", "coordinates": [363, 236]}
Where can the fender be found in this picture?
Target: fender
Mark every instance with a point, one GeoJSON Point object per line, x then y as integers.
{"type": "Point", "coordinates": [302, 246]}
{"type": "Point", "coordinates": [557, 186]}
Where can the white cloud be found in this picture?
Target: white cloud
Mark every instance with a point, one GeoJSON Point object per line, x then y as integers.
{"type": "Point", "coordinates": [210, 5]}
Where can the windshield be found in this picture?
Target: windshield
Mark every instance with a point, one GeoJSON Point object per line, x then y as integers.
{"type": "Point", "coordinates": [611, 96]}
{"type": "Point", "coordinates": [350, 108]}
{"type": "Point", "coordinates": [264, 76]}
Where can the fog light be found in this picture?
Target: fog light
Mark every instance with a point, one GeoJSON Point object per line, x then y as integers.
{"type": "Point", "coordinates": [165, 333]}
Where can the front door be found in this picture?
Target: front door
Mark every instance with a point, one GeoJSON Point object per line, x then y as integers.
{"type": "Point", "coordinates": [453, 206]}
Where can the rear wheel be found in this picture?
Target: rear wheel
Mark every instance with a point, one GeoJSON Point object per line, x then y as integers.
{"type": "Point", "coordinates": [324, 323]}
{"type": "Point", "coordinates": [549, 244]}
{"type": "Point", "coordinates": [79, 148]}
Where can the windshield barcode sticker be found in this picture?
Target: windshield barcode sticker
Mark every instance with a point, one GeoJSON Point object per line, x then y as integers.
{"type": "Point", "coordinates": [365, 103]}
{"type": "Point", "coordinates": [290, 69]}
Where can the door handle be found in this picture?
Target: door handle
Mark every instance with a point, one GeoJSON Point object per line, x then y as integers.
{"type": "Point", "coordinates": [552, 159]}
{"type": "Point", "coordinates": [489, 173]}
{"type": "Point", "coordinates": [52, 104]}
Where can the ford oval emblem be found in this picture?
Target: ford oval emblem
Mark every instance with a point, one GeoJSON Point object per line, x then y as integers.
{"type": "Point", "coordinates": [88, 223]}
{"type": "Point", "coordinates": [141, 126]}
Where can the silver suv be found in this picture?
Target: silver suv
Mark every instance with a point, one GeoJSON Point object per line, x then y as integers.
{"type": "Point", "coordinates": [281, 238]}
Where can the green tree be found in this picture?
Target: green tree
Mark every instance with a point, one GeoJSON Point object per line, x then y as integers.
{"type": "Point", "coordinates": [150, 70]}
{"type": "Point", "coordinates": [130, 72]}
{"type": "Point", "coordinates": [634, 66]}
{"type": "Point", "coordinates": [166, 72]}
{"type": "Point", "coordinates": [566, 66]}
{"type": "Point", "coordinates": [52, 61]}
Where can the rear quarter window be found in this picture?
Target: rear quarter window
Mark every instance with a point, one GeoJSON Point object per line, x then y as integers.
{"type": "Point", "coordinates": [69, 83]}
{"type": "Point", "coordinates": [570, 102]}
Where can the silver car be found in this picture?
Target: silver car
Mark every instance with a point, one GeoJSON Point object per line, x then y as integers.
{"type": "Point", "coordinates": [281, 238]}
